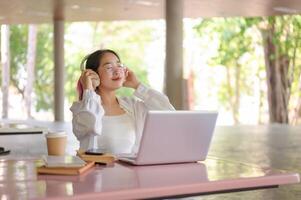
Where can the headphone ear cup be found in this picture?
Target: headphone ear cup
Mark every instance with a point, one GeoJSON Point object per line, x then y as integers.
{"type": "Point", "coordinates": [83, 64]}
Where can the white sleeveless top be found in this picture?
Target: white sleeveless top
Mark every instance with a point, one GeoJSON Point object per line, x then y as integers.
{"type": "Point", "coordinates": [118, 134]}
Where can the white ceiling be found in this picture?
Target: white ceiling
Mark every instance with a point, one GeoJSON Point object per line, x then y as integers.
{"type": "Point", "coordinates": [43, 11]}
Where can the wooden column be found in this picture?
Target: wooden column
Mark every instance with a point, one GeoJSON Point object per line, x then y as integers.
{"type": "Point", "coordinates": [174, 53]}
{"type": "Point", "coordinates": [59, 71]}
{"type": "Point", "coordinates": [59, 68]}
{"type": "Point", "coordinates": [5, 60]}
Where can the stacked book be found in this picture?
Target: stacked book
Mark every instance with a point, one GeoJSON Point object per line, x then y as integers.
{"type": "Point", "coordinates": [64, 165]}
{"type": "Point", "coordinates": [101, 159]}
{"type": "Point", "coordinates": [73, 165]}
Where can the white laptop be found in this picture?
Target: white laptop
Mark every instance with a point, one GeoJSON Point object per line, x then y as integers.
{"type": "Point", "coordinates": [174, 137]}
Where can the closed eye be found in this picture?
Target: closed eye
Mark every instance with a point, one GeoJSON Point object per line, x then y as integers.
{"type": "Point", "coordinates": [108, 66]}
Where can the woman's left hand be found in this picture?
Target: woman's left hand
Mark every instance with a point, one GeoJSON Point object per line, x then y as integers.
{"type": "Point", "coordinates": [131, 80]}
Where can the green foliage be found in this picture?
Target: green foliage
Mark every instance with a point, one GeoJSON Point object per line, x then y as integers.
{"type": "Point", "coordinates": [72, 76]}
{"type": "Point", "coordinates": [72, 67]}
{"type": "Point", "coordinates": [18, 48]}
{"type": "Point", "coordinates": [224, 94]}
{"type": "Point", "coordinates": [234, 43]}
{"type": "Point", "coordinates": [238, 39]}
{"type": "Point", "coordinates": [286, 38]}
{"type": "Point", "coordinates": [44, 74]}
{"type": "Point", "coordinates": [43, 85]}
{"type": "Point", "coordinates": [128, 39]}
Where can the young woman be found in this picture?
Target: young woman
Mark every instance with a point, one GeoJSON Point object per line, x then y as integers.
{"type": "Point", "coordinates": [100, 119]}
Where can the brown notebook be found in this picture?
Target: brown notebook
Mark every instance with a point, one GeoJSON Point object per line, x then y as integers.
{"type": "Point", "coordinates": [64, 170]}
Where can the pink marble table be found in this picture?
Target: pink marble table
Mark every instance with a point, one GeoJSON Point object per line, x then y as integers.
{"type": "Point", "coordinates": [18, 180]}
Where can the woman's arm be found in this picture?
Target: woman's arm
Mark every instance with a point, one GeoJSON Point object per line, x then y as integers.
{"type": "Point", "coordinates": [87, 115]}
{"type": "Point", "coordinates": [152, 99]}
{"type": "Point", "coordinates": [88, 110]}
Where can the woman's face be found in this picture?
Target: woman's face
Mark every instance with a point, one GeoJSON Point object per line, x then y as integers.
{"type": "Point", "coordinates": [111, 72]}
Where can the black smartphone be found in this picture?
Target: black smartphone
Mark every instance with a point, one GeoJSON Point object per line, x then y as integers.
{"type": "Point", "coordinates": [95, 152]}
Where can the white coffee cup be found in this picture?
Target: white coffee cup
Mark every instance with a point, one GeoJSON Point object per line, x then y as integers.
{"type": "Point", "coordinates": [56, 142]}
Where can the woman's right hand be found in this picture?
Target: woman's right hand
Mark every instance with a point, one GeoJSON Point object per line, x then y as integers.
{"type": "Point", "coordinates": [89, 79]}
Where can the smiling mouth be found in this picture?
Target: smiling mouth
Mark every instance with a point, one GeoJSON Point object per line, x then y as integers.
{"type": "Point", "coordinates": [116, 79]}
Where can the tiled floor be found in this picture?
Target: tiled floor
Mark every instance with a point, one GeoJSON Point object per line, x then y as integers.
{"type": "Point", "coordinates": [276, 146]}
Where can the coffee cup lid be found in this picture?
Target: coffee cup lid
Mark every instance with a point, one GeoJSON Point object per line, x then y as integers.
{"type": "Point", "coordinates": [56, 134]}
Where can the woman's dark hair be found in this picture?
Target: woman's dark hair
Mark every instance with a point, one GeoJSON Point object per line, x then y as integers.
{"type": "Point", "coordinates": [93, 60]}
